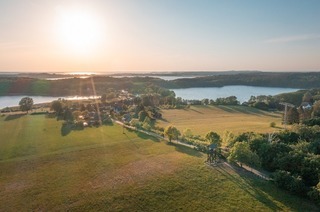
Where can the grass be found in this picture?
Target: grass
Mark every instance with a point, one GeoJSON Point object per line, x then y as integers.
{"type": "Point", "coordinates": [237, 119]}
{"type": "Point", "coordinates": [106, 170]}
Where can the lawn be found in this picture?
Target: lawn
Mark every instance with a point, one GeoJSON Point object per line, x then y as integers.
{"type": "Point", "coordinates": [102, 169]}
{"type": "Point", "coordinates": [237, 119]}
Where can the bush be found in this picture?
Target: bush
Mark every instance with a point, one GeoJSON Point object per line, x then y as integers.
{"type": "Point", "coordinates": [199, 144]}
{"type": "Point", "coordinates": [107, 121]}
{"type": "Point", "coordinates": [272, 124]}
{"type": "Point", "coordinates": [312, 122]}
{"type": "Point", "coordinates": [146, 126]}
{"type": "Point", "coordinates": [136, 123]}
{"type": "Point", "coordinates": [314, 193]}
{"type": "Point", "coordinates": [285, 180]}
{"type": "Point", "coordinates": [39, 113]}
{"type": "Point", "coordinates": [160, 129]}
{"type": "Point", "coordinates": [79, 125]}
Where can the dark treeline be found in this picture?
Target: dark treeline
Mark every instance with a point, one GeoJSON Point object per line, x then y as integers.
{"type": "Point", "coordinates": [75, 86]}
{"type": "Point", "coordinates": [293, 157]}
{"type": "Point", "coordinates": [267, 79]}
{"type": "Point", "coordinates": [98, 84]}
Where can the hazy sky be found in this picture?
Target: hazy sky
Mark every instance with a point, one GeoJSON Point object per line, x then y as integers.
{"type": "Point", "coordinates": [101, 35]}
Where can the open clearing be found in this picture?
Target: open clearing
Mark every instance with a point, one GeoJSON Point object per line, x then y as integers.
{"type": "Point", "coordinates": [102, 169]}
{"type": "Point", "coordinates": [237, 119]}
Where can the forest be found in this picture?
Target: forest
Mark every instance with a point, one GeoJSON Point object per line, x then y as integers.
{"type": "Point", "coordinates": [97, 85]}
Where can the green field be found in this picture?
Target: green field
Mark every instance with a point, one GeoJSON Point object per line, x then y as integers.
{"type": "Point", "coordinates": [44, 168]}
{"type": "Point", "coordinates": [237, 119]}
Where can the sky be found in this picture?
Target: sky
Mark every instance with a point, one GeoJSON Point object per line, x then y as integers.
{"type": "Point", "coordinates": [159, 35]}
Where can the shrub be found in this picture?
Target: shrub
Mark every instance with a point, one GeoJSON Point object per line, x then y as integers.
{"type": "Point", "coordinates": [314, 193]}
{"type": "Point", "coordinates": [136, 123]}
{"type": "Point", "coordinates": [285, 180]}
{"type": "Point", "coordinates": [272, 124]}
{"type": "Point", "coordinates": [79, 125]}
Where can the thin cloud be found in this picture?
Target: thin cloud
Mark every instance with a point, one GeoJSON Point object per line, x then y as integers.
{"type": "Point", "coordinates": [295, 38]}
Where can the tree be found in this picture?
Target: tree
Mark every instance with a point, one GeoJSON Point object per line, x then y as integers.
{"type": "Point", "coordinates": [228, 138]}
{"type": "Point", "coordinates": [307, 97]}
{"type": "Point", "coordinates": [56, 106]}
{"type": "Point", "coordinates": [231, 100]}
{"type": "Point", "coordinates": [261, 105]}
{"type": "Point", "coordinates": [172, 132]}
{"type": "Point", "coordinates": [67, 115]}
{"type": "Point", "coordinates": [205, 101]}
{"type": "Point", "coordinates": [148, 123]}
{"type": "Point", "coordinates": [316, 109]}
{"type": "Point", "coordinates": [103, 98]}
{"type": "Point", "coordinates": [314, 193]}
{"type": "Point", "coordinates": [179, 101]}
{"type": "Point", "coordinates": [142, 115]}
{"type": "Point", "coordinates": [241, 153]}
{"type": "Point", "coordinates": [26, 104]}
{"type": "Point", "coordinates": [293, 116]}
{"type": "Point", "coordinates": [76, 114]}
{"type": "Point", "coordinates": [82, 107]}
{"type": "Point", "coordinates": [284, 179]}
{"type": "Point", "coordinates": [187, 133]}
{"type": "Point", "coordinates": [213, 138]}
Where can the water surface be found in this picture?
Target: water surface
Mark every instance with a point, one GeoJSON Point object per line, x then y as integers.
{"type": "Point", "coordinates": [9, 101]}
{"type": "Point", "coordinates": [242, 92]}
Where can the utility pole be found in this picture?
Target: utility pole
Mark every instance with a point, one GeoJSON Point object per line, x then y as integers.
{"type": "Point", "coordinates": [285, 118]}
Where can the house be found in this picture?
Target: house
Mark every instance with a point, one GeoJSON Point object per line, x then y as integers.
{"type": "Point", "coordinates": [306, 105]}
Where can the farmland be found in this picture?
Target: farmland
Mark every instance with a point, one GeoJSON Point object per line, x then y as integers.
{"type": "Point", "coordinates": [42, 168]}
{"type": "Point", "coordinates": [237, 119]}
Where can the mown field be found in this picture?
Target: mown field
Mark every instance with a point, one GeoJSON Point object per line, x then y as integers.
{"type": "Point", "coordinates": [237, 119]}
{"type": "Point", "coordinates": [45, 168]}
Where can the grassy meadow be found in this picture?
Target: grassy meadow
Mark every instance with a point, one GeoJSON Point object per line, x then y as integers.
{"type": "Point", "coordinates": [45, 168]}
{"type": "Point", "coordinates": [237, 119]}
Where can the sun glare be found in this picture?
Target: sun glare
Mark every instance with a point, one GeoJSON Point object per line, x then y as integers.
{"type": "Point", "coordinates": [78, 30]}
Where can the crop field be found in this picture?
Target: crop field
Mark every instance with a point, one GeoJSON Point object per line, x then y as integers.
{"type": "Point", "coordinates": [44, 167]}
{"type": "Point", "coordinates": [237, 119]}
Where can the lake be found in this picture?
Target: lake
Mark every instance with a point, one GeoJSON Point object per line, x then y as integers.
{"type": "Point", "coordinates": [8, 101]}
{"type": "Point", "coordinates": [242, 92]}
{"type": "Point", "coordinates": [168, 78]}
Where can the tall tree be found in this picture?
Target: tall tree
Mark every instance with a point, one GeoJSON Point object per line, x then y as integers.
{"type": "Point", "coordinates": [241, 153]}
{"type": "Point", "coordinates": [172, 132]}
{"type": "Point", "coordinates": [26, 104]}
{"type": "Point", "coordinates": [213, 138]}
{"type": "Point", "coordinates": [142, 115]}
{"type": "Point", "coordinates": [293, 116]}
{"type": "Point", "coordinates": [103, 98]}
{"type": "Point", "coordinates": [187, 133]}
{"type": "Point", "coordinates": [316, 109]}
{"type": "Point", "coordinates": [307, 97]}
{"type": "Point", "coordinates": [205, 101]}
{"type": "Point", "coordinates": [57, 106]}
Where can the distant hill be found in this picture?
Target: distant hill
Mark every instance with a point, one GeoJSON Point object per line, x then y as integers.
{"type": "Point", "coordinates": [36, 85]}
{"type": "Point", "coordinates": [185, 73]}
{"type": "Point", "coordinates": [266, 79]}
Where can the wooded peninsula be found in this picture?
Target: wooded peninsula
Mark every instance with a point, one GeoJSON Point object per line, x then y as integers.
{"type": "Point", "coordinates": [35, 84]}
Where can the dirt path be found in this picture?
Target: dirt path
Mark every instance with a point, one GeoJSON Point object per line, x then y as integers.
{"type": "Point", "coordinates": [153, 134]}
{"type": "Point", "coordinates": [256, 172]}
{"type": "Point", "coordinates": [243, 169]}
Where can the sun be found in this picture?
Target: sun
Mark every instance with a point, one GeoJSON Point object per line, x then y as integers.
{"type": "Point", "coordinates": [78, 30]}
